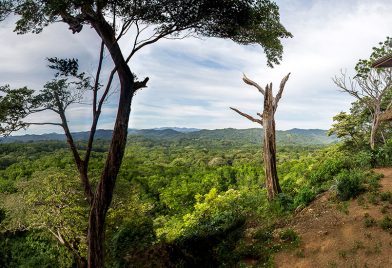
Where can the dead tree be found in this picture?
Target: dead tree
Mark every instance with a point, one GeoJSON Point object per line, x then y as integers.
{"type": "Point", "coordinates": [370, 89]}
{"type": "Point", "coordinates": [267, 120]}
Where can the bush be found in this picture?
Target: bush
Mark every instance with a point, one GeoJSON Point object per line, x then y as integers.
{"type": "Point", "coordinates": [349, 184]}
{"type": "Point", "coordinates": [386, 224]}
{"type": "Point", "coordinates": [386, 196]}
{"type": "Point", "coordinates": [304, 197]}
{"type": "Point", "coordinates": [368, 220]}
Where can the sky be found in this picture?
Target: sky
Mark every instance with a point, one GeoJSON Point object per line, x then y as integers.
{"type": "Point", "coordinates": [194, 81]}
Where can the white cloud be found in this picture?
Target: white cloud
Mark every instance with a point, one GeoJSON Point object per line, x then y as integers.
{"type": "Point", "coordinates": [193, 82]}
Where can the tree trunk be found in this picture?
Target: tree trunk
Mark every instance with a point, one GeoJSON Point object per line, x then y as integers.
{"type": "Point", "coordinates": [375, 125]}
{"type": "Point", "coordinates": [104, 191]}
{"type": "Point", "coordinates": [269, 147]}
{"type": "Point", "coordinates": [81, 262]}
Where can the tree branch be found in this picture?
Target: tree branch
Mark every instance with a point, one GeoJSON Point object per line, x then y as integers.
{"type": "Point", "coordinates": [281, 88]}
{"type": "Point", "coordinates": [248, 116]}
{"type": "Point", "coordinates": [252, 83]}
{"type": "Point", "coordinates": [45, 123]}
{"type": "Point", "coordinates": [96, 84]}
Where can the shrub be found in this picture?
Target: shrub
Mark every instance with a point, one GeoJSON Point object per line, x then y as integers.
{"type": "Point", "coordinates": [304, 197]}
{"type": "Point", "coordinates": [386, 223]}
{"type": "Point", "coordinates": [386, 196]}
{"type": "Point", "coordinates": [368, 220]}
{"type": "Point", "coordinates": [349, 184]}
{"type": "Point", "coordinates": [290, 236]}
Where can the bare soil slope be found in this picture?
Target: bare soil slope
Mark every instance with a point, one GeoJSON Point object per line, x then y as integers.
{"type": "Point", "coordinates": [335, 235]}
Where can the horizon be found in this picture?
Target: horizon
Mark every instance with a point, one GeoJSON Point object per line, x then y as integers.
{"type": "Point", "coordinates": [204, 75]}
{"type": "Point", "coordinates": [158, 128]}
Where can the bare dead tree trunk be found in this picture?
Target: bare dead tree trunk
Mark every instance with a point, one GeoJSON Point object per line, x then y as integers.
{"type": "Point", "coordinates": [267, 120]}
{"type": "Point", "coordinates": [269, 146]}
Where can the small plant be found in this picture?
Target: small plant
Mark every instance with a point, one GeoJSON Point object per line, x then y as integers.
{"type": "Point", "coordinates": [374, 184]}
{"type": "Point", "coordinates": [357, 246]}
{"type": "Point", "coordinates": [300, 253]}
{"type": "Point", "coordinates": [384, 209]}
{"type": "Point", "coordinates": [386, 224]}
{"type": "Point", "coordinates": [369, 221]}
{"type": "Point", "coordinates": [290, 236]}
{"type": "Point", "coordinates": [343, 207]}
{"type": "Point", "coordinates": [375, 250]}
{"type": "Point", "coordinates": [373, 198]}
{"type": "Point", "coordinates": [343, 254]}
{"type": "Point", "coordinates": [361, 201]}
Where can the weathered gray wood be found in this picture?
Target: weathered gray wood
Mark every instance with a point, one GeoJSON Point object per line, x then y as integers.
{"type": "Point", "coordinates": [269, 140]}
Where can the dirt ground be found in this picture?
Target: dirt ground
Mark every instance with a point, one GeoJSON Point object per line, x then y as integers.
{"type": "Point", "coordinates": [335, 235]}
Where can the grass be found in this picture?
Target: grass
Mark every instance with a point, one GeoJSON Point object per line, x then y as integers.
{"type": "Point", "coordinates": [343, 207]}
{"type": "Point", "coordinates": [376, 249]}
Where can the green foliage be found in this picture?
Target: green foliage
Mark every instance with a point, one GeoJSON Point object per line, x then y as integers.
{"type": "Point", "coordinates": [32, 249]}
{"type": "Point", "coordinates": [386, 196]}
{"type": "Point", "coordinates": [349, 184]}
{"type": "Point", "coordinates": [304, 197]}
{"type": "Point", "coordinates": [245, 22]}
{"type": "Point", "coordinates": [170, 206]}
{"type": "Point", "coordinates": [131, 240]}
{"type": "Point", "coordinates": [363, 67]}
{"type": "Point", "coordinates": [289, 235]}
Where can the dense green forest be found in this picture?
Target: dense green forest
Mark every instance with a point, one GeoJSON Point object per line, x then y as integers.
{"type": "Point", "coordinates": [175, 197]}
{"type": "Point", "coordinates": [185, 200]}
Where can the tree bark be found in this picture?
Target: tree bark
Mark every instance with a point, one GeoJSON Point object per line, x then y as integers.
{"type": "Point", "coordinates": [269, 142]}
{"type": "Point", "coordinates": [104, 191]}
{"type": "Point", "coordinates": [375, 125]}
{"type": "Point", "coordinates": [269, 146]}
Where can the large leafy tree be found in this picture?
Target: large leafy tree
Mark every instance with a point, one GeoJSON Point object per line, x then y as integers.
{"type": "Point", "coordinates": [243, 21]}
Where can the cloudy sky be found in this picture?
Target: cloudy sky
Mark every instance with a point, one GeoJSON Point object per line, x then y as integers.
{"type": "Point", "coordinates": [194, 81]}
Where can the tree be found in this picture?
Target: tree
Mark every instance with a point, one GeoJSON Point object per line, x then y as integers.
{"type": "Point", "coordinates": [50, 201]}
{"type": "Point", "coordinates": [267, 120]}
{"type": "Point", "coordinates": [243, 21]}
{"type": "Point", "coordinates": [370, 87]}
{"type": "Point", "coordinates": [352, 127]}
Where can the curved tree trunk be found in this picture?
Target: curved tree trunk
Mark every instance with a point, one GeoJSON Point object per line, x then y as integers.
{"type": "Point", "coordinates": [269, 146]}
{"type": "Point", "coordinates": [104, 191]}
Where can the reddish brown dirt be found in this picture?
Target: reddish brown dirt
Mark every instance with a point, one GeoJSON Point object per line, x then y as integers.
{"type": "Point", "coordinates": [337, 237]}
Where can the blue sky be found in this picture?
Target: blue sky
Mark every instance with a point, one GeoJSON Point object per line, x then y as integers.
{"type": "Point", "coordinates": [193, 82]}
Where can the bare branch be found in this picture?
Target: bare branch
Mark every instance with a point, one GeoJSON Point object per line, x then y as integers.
{"type": "Point", "coordinates": [96, 84]}
{"type": "Point", "coordinates": [141, 84]}
{"type": "Point", "coordinates": [281, 88]}
{"type": "Point", "coordinates": [252, 83]}
{"type": "Point", "coordinates": [44, 123]}
{"type": "Point", "coordinates": [248, 116]}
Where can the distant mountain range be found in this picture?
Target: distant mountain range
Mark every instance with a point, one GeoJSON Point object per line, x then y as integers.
{"type": "Point", "coordinates": [252, 135]}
